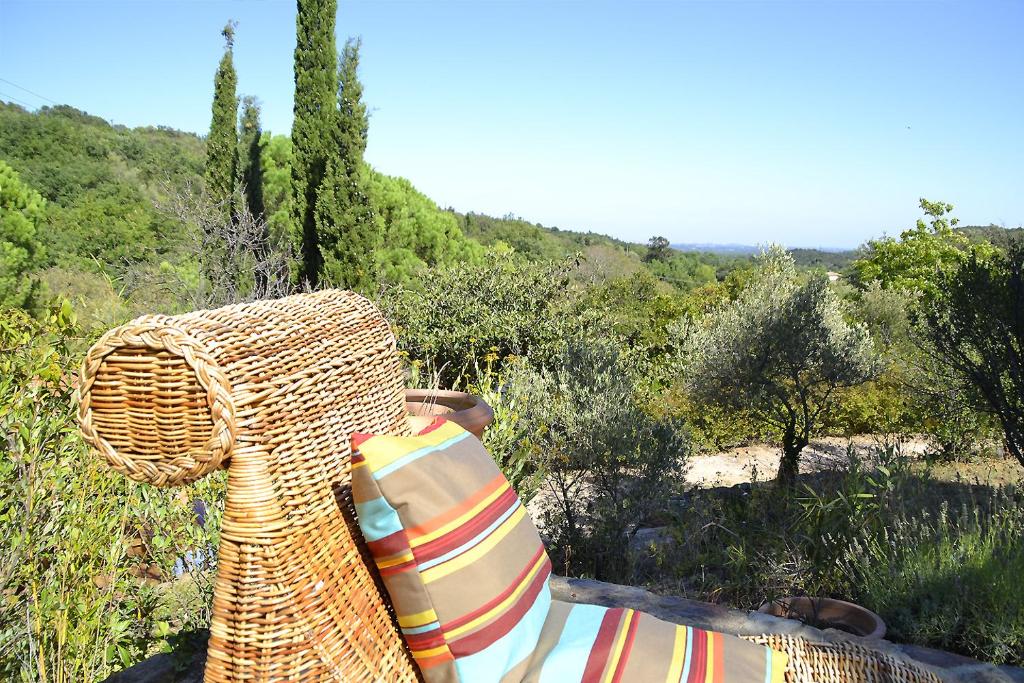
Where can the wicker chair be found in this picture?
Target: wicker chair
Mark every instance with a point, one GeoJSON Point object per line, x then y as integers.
{"type": "Point", "coordinates": [271, 391]}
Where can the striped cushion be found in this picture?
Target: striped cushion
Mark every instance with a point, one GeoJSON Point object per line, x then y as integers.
{"type": "Point", "coordinates": [467, 575]}
{"type": "Point", "coordinates": [591, 644]}
{"type": "Point", "coordinates": [459, 556]}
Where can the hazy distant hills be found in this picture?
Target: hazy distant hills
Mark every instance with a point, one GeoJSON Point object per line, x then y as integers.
{"type": "Point", "coordinates": [826, 259]}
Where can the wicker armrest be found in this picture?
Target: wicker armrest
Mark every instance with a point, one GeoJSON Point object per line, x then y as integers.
{"type": "Point", "coordinates": [272, 390]}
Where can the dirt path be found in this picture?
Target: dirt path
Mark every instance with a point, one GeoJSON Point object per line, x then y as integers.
{"type": "Point", "coordinates": [760, 462]}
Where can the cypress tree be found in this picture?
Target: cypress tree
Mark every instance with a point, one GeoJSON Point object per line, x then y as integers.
{"type": "Point", "coordinates": [346, 223]}
{"type": "Point", "coordinates": [250, 167]}
{"type": "Point", "coordinates": [250, 177]}
{"type": "Point", "coordinates": [222, 143]}
{"type": "Point", "coordinates": [314, 130]}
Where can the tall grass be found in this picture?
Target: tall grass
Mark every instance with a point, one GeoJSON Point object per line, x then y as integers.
{"type": "Point", "coordinates": [949, 579]}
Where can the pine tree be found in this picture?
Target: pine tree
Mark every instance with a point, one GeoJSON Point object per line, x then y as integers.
{"type": "Point", "coordinates": [250, 167]}
{"type": "Point", "coordinates": [222, 143]}
{"type": "Point", "coordinates": [347, 226]}
{"type": "Point", "coordinates": [314, 130]}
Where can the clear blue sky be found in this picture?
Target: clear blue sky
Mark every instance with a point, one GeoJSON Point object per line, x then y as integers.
{"type": "Point", "coordinates": [802, 123]}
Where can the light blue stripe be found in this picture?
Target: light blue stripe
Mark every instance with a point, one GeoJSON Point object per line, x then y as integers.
{"type": "Point", "coordinates": [767, 666]}
{"type": "Point", "coordinates": [421, 629]}
{"type": "Point", "coordinates": [568, 660]}
{"type": "Point", "coordinates": [687, 654]}
{"type": "Point", "coordinates": [493, 662]}
{"type": "Point", "coordinates": [473, 541]}
{"type": "Point", "coordinates": [377, 519]}
{"type": "Point", "coordinates": [416, 455]}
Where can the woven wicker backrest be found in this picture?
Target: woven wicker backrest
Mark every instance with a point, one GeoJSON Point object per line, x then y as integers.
{"type": "Point", "coordinates": [272, 390]}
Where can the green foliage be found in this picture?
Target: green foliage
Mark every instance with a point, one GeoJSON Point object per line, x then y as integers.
{"type": "Point", "coordinates": [836, 261]}
{"type": "Point", "coordinates": [639, 314]}
{"type": "Point", "coordinates": [948, 579]}
{"type": "Point", "coordinates": [658, 249]}
{"type": "Point", "coordinates": [531, 240]}
{"type": "Point", "coordinates": [780, 350]}
{"type": "Point", "coordinates": [607, 464]}
{"type": "Point", "coordinates": [222, 143]}
{"type": "Point", "coordinates": [100, 183]}
{"type": "Point", "coordinates": [83, 552]}
{"type": "Point", "coordinates": [939, 561]}
{"type": "Point", "coordinates": [914, 261]}
{"type": "Point", "coordinates": [686, 271]}
{"type": "Point", "coordinates": [464, 312]}
{"type": "Point", "coordinates": [250, 157]}
{"type": "Point", "coordinates": [21, 211]}
{"type": "Point", "coordinates": [276, 162]}
{"type": "Point", "coordinates": [348, 230]}
{"type": "Point", "coordinates": [976, 324]}
{"type": "Point", "coordinates": [314, 127]}
{"type": "Point", "coordinates": [416, 233]}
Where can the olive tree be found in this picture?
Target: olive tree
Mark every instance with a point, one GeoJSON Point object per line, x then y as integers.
{"type": "Point", "coordinates": [780, 350]}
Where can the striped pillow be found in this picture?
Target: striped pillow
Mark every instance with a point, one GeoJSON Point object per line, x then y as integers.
{"type": "Point", "coordinates": [459, 556]}
{"type": "Point", "coordinates": [592, 644]}
{"type": "Point", "coordinates": [467, 575]}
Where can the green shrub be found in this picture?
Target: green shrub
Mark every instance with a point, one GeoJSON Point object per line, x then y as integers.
{"type": "Point", "coordinates": [607, 465]}
{"type": "Point", "coordinates": [87, 558]}
{"type": "Point", "coordinates": [460, 314]}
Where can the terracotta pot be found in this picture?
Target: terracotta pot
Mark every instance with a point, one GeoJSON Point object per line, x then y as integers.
{"type": "Point", "coordinates": [828, 613]}
{"type": "Point", "coordinates": [466, 410]}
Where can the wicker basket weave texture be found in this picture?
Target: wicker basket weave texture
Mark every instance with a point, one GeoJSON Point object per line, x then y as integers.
{"type": "Point", "coordinates": [842, 662]}
{"type": "Point", "coordinates": [273, 390]}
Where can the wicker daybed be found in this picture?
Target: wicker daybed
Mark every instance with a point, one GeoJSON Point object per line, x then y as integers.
{"type": "Point", "coordinates": [272, 391]}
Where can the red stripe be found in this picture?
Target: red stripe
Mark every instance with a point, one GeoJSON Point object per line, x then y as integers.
{"type": "Point", "coordinates": [359, 438]}
{"type": "Point", "coordinates": [424, 641]}
{"type": "Point", "coordinates": [719, 657]}
{"type": "Point", "coordinates": [602, 646]}
{"type": "Point", "coordinates": [461, 508]}
{"type": "Point", "coordinates": [465, 619]}
{"type": "Point", "coordinates": [398, 568]}
{"type": "Point", "coordinates": [392, 544]}
{"type": "Point", "coordinates": [357, 458]}
{"type": "Point", "coordinates": [436, 660]}
{"type": "Point", "coordinates": [699, 661]}
{"type": "Point", "coordinates": [456, 537]}
{"type": "Point", "coordinates": [627, 647]}
{"type": "Point", "coordinates": [478, 640]}
{"type": "Point", "coordinates": [432, 426]}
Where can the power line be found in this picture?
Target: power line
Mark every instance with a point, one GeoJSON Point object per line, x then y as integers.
{"type": "Point", "coordinates": [42, 97]}
{"type": "Point", "coordinates": [14, 99]}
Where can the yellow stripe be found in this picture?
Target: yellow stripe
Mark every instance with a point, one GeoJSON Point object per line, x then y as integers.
{"type": "Point", "coordinates": [609, 672]}
{"type": "Point", "coordinates": [383, 450]}
{"type": "Point", "coordinates": [779, 662]}
{"type": "Point", "coordinates": [473, 554]}
{"type": "Point", "coordinates": [500, 607]}
{"type": "Point", "coordinates": [432, 652]}
{"type": "Point", "coordinates": [419, 619]}
{"type": "Point", "coordinates": [675, 668]}
{"type": "Point", "coordinates": [459, 521]}
{"type": "Point", "coordinates": [709, 671]}
{"type": "Point", "coordinates": [384, 564]}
